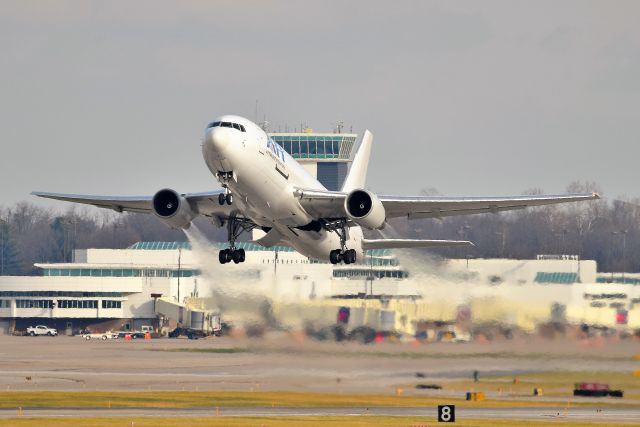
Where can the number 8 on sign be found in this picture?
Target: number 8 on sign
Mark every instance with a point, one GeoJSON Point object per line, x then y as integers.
{"type": "Point", "coordinates": [446, 413]}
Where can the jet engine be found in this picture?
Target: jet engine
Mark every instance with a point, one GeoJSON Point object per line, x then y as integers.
{"type": "Point", "coordinates": [365, 209]}
{"type": "Point", "coordinates": [173, 209]}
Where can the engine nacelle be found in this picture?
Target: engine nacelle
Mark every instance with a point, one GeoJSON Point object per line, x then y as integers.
{"type": "Point", "coordinates": [173, 209]}
{"type": "Point", "coordinates": [365, 209]}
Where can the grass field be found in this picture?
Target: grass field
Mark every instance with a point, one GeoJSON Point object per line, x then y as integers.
{"type": "Point", "coordinates": [360, 421]}
{"type": "Point", "coordinates": [557, 384]}
{"type": "Point", "coordinates": [41, 399]}
{"type": "Point", "coordinates": [373, 352]}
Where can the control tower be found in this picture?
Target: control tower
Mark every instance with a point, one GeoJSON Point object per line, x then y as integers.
{"type": "Point", "coordinates": [325, 155]}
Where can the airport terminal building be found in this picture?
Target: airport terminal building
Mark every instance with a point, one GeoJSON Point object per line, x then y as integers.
{"type": "Point", "coordinates": [120, 288]}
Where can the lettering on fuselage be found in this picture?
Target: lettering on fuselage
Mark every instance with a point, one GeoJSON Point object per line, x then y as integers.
{"type": "Point", "coordinates": [275, 149]}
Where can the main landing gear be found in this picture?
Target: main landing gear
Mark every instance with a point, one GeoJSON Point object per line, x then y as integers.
{"type": "Point", "coordinates": [235, 227]}
{"type": "Point", "coordinates": [336, 256]}
{"type": "Point", "coordinates": [348, 256]}
{"type": "Point", "coordinates": [228, 255]}
{"type": "Point", "coordinates": [226, 197]}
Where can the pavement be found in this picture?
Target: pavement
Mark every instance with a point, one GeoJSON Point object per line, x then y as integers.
{"type": "Point", "coordinates": [281, 364]}
{"type": "Point", "coordinates": [573, 414]}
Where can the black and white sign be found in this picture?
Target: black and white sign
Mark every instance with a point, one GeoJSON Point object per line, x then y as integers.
{"type": "Point", "coordinates": [446, 413]}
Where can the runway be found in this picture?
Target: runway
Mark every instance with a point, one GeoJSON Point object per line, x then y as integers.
{"type": "Point", "coordinates": [573, 414]}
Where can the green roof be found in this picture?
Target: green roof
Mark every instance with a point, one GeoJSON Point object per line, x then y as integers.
{"type": "Point", "coordinates": [247, 246]}
{"type": "Point", "coordinates": [560, 277]}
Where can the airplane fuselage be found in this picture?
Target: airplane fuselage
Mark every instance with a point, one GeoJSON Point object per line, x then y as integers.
{"type": "Point", "coordinates": [263, 179]}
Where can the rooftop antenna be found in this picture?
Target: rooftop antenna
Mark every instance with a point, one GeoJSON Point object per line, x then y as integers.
{"type": "Point", "coordinates": [339, 126]}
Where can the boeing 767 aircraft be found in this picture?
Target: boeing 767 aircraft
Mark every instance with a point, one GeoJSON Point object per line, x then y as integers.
{"type": "Point", "coordinates": [263, 187]}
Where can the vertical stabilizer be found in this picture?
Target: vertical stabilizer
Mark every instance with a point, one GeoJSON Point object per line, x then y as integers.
{"type": "Point", "coordinates": [357, 176]}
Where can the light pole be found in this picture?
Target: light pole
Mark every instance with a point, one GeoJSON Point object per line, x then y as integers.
{"type": "Point", "coordinates": [462, 232]}
{"type": "Point", "coordinates": [3, 223]}
{"type": "Point", "coordinates": [624, 247]}
{"type": "Point", "coordinates": [179, 270]}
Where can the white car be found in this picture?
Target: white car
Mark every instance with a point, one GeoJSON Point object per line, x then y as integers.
{"type": "Point", "coordinates": [41, 330]}
{"type": "Point", "coordinates": [101, 336]}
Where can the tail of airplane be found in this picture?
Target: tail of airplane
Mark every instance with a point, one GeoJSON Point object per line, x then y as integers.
{"type": "Point", "coordinates": [357, 176]}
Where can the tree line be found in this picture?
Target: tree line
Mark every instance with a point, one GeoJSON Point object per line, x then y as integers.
{"type": "Point", "coordinates": [605, 230]}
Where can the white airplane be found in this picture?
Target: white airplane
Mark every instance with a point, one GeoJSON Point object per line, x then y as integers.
{"type": "Point", "coordinates": [265, 188]}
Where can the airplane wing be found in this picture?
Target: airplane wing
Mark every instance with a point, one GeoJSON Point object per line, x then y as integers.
{"type": "Point", "coordinates": [330, 204]}
{"type": "Point", "coordinates": [438, 207]}
{"type": "Point", "coordinates": [204, 203]}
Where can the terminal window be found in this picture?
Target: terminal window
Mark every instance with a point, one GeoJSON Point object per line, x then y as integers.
{"type": "Point", "coordinates": [63, 303]}
{"type": "Point", "coordinates": [111, 304]}
{"type": "Point", "coordinates": [33, 303]}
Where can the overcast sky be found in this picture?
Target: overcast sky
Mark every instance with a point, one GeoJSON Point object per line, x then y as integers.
{"type": "Point", "coordinates": [472, 98]}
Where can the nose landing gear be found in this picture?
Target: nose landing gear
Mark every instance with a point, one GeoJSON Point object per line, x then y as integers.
{"type": "Point", "coordinates": [226, 197]}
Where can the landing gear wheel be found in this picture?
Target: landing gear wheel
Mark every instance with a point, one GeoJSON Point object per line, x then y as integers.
{"type": "Point", "coordinates": [350, 256]}
{"type": "Point", "coordinates": [229, 198]}
{"type": "Point", "coordinates": [221, 199]}
{"type": "Point", "coordinates": [334, 256]}
{"type": "Point", "coordinates": [237, 256]}
{"type": "Point", "coordinates": [224, 256]}
{"type": "Point", "coordinates": [242, 255]}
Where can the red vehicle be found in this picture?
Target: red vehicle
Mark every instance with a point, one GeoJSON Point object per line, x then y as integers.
{"type": "Point", "coordinates": [595, 390]}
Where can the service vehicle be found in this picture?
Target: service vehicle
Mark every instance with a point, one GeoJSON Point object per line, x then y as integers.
{"type": "Point", "coordinates": [41, 330]}
{"type": "Point", "coordinates": [101, 336]}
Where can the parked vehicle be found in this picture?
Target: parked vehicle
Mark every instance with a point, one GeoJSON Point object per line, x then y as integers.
{"type": "Point", "coordinates": [41, 330]}
{"type": "Point", "coordinates": [192, 334]}
{"type": "Point", "coordinates": [101, 336]}
{"type": "Point", "coordinates": [133, 334]}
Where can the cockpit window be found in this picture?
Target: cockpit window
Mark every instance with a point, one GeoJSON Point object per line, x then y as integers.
{"type": "Point", "coordinates": [227, 125]}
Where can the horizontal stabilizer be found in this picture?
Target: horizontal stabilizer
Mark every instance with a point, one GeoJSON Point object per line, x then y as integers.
{"type": "Point", "coordinates": [410, 243]}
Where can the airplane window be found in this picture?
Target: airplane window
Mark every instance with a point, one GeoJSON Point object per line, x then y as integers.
{"type": "Point", "coordinates": [242, 128]}
{"type": "Point", "coordinates": [213, 124]}
{"type": "Point", "coordinates": [236, 126]}
{"type": "Point", "coordinates": [226, 125]}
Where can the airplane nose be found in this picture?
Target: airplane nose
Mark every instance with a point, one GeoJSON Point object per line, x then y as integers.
{"type": "Point", "coordinates": [217, 138]}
